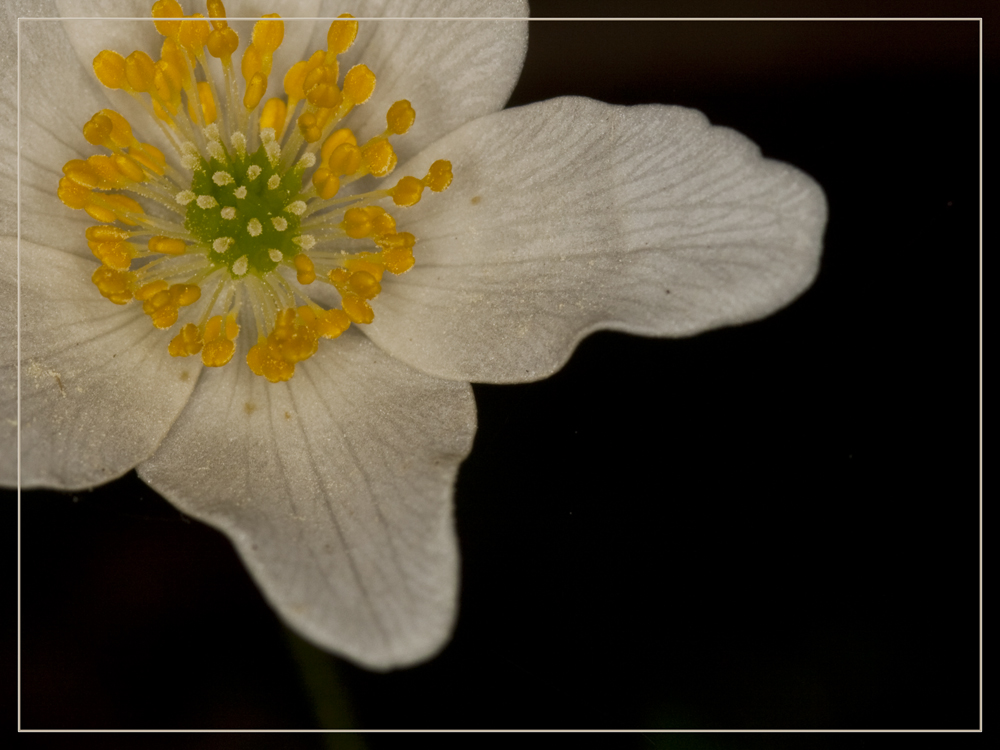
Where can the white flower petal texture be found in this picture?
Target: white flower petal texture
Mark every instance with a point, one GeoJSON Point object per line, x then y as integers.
{"type": "Point", "coordinates": [331, 464]}
{"type": "Point", "coordinates": [573, 216]}
{"type": "Point", "coordinates": [336, 490]}
{"type": "Point", "coordinates": [98, 390]}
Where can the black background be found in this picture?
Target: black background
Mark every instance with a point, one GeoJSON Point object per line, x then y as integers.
{"type": "Point", "coordinates": [772, 526]}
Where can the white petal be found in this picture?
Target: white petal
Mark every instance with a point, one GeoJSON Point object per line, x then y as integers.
{"type": "Point", "coordinates": [8, 362]}
{"type": "Point", "coordinates": [572, 215]}
{"type": "Point", "coordinates": [9, 68]}
{"type": "Point", "coordinates": [335, 489]}
{"type": "Point", "coordinates": [450, 71]}
{"type": "Point", "coordinates": [98, 388]}
{"type": "Point", "coordinates": [57, 97]}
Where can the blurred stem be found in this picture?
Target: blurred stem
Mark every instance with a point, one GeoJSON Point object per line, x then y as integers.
{"type": "Point", "coordinates": [330, 701]}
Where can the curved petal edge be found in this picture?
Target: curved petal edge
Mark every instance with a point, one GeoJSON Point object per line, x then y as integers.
{"type": "Point", "coordinates": [335, 488]}
{"type": "Point", "coordinates": [571, 216]}
{"type": "Point", "coordinates": [98, 390]}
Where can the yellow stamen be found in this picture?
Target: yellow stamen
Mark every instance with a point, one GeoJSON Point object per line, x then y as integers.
{"type": "Point", "coordinates": [359, 84]}
{"type": "Point", "coordinates": [187, 342]}
{"type": "Point", "coordinates": [167, 9]}
{"type": "Point", "coordinates": [400, 117]}
{"type": "Point", "coordinates": [219, 341]}
{"type": "Point", "coordinates": [260, 200]}
{"type": "Point", "coordinates": [273, 115]}
{"type": "Point", "coordinates": [194, 34]}
{"type": "Point", "coordinates": [341, 35]}
{"type": "Point", "coordinates": [110, 69]}
{"type": "Point", "coordinates": [140, 70]}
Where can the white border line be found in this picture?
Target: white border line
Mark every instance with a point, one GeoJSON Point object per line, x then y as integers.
{"type": "Point", "coordinates": [506, 731]}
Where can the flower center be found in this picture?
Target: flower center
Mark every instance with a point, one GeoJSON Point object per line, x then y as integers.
{"type": "Point", "coordinates": [240, 206]}
{"type": "Point", "coordinates": [257, 204]}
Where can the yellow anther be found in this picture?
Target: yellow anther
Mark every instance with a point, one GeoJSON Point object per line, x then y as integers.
{"type": "Point", "coordinates": [167, 9]}
{"type": "Point", "coordinates": [149, 156]}
{"type": "Point", "coordinates": [400, 117]}
{"type": "Point", "coordinates": [107, 172]}
{"type": "Point", "coordinates": [382, 222]}
{"type": "Point", "coordinates": [265, 360]}
{"type": "Point", "coordinates": [99, 213]}
{"type": "Point", "coordinates": [168, 91]}
{"type": "Point", "coordinates": [150, 290]}
{"type": "Point", "coordinates": [73, 164]}
{"type": "Point", "coordinates": [187, 342]}
{"type": "Point", "coordinates": [345, 159]}
{"type": "Point", "coordinates": [369, 262]}
{"type": "Point", "coordinates": [185, 294]}
{"type": "Point", "coordinates": [295, 78]}
{"type": "Point", "coordinates": [379, 157]}
{"type": "Point", "coordinates": [326, 183]}
{"type": "Point", "coordinates": [337, 137]}
{"type": "Point", "coordinates": [407, 191]}
{"type": "Point", "coordinates": [273, 115]}
{"type": "Point", "coordinates": [109, 67]}
{"type": "Point", "coordinates": [324, 115]}
{"type": "Point", "coordinates": [255, 90]}
{"type": "Point", "coordinates": [194, 34]}
{"type": "Point", "coordinates": [173, 55]}
{"type": "Point", "coordinates": [208, 110]}
{"type": "Point", "coordinates": [304, 269]}
{"type": "Point", "coordinates": [106, 234]}
{"type": "Point", "coordinates": [366, 222]}
{"type": "Point", "coordinates": [219, 347]}
{"type": "Point", "coordinates": [357, 309]}
{"type": "Point", "coordinates": [166, 245]}
{"type": "Point", "coordinates": [167, 81]}
{"type": "Point", "coordinates": [140, 70]}
{"type": "Point", "coordinates": [341, 34]}
{"type": "Point", "coordinates": [250, 64]}
{"type": "Point", "coordinates": [114, 254]}
{"type": "Point", "coordinates": [83, 174]}
{"type": "Point", "coordinates": [357, 223]}
{"type": "Point", "coordinates": [359, 83]}
{"type": "Point", "coordinates": [397, 252]}
{"type": "Point", "coordinates": [364, 285]}
{"type": "Point", "coordinates": [329, 323]}
{"type": "Point", "coordinates": [439, 176]}
{"type": "Point", "coordinates": [160, 311]}
{"type": "Point", "coordinates": [113, 285]}
{"type": "Point", "coordinates": [222, 42]}
{"type": "Point", "coordinates": [339, 276]}
{"type": "Point", "coordinates": [120, 205]}
{"type": "Point", "coordinates": [309, 127]}
{"type": "Point", "coordinates": [160, 112]}
{"type": "Point", "coordinates": [98, 129]}
{"type": "Point", "coordinates": [398, 261]}
{"type": "Point", "coordinates": [129, 168]}
{"type": "Point", "coordinates": [320, 86]}
{"type": "Point", "coordinates": [121, 133]}
{"type": "Point", "coordinates": [293, 338]}
{"type": "Point", "coordinates": [268, 35]}
{"type": "Point", "coordinates": [217, 12]}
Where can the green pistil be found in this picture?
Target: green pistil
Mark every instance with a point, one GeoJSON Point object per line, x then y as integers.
{"type": "Point", "coordinates": [261, 202]}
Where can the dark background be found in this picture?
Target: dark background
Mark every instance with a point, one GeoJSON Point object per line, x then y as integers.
{"type": "Point", "coordinates": [772, 526]}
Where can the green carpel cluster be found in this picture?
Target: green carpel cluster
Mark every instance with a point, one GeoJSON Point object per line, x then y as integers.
{"type": "Point", "coordinates": [240, 210]}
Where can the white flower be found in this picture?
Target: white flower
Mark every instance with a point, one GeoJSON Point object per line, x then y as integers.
{"type": "Point", "coordinates": [563, 218]}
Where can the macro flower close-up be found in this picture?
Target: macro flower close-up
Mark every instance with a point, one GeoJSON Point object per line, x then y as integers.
{"type": "Point", "coordinates": [261, 262]}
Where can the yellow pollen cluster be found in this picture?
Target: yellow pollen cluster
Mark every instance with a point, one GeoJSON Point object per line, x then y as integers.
{"type": "Point", "coordinates": [254, 204]}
